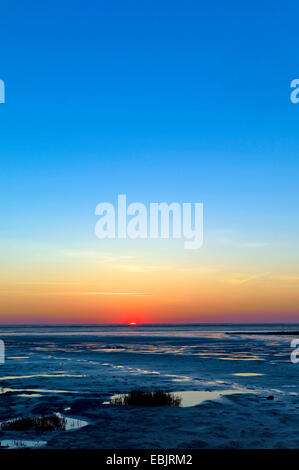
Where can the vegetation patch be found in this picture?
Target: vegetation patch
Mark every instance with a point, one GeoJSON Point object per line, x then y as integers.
{"type": "Point", "coordinates": [143, 398]}
{"type": "Point", "coordinates": [44, 423]}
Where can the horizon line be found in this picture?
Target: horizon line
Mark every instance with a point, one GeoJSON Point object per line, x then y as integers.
{"type": "Point", "coordinates": [152, 324]}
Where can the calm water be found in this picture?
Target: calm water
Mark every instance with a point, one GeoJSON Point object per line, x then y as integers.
{"type": "Point", "coordinates": [191, 330]}
{"type": "Point", "coordinates": [104, 360]}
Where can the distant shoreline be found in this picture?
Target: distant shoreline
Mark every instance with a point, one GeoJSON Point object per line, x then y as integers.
{"type": "Point", "coordinates": [289, 333]}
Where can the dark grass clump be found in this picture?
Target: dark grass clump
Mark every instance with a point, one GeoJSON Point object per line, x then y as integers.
{"type": "Point", "coordinates": [143, 398]}
{"type": "Point", "coordinates": [44, 423]}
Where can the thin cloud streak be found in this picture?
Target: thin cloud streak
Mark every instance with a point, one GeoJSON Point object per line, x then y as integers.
{"type": "Point", "coordinates": [253, 277]}
{"type": "Point", "coordinates": [117, 293]}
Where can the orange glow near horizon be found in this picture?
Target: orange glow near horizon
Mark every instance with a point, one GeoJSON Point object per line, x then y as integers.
{"type": "Point", "coordinates": [152, 298]}
{"type": "Point", "coordinates": [77, 288]}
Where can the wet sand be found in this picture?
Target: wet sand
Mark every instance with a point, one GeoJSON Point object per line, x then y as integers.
{"type": "Point", "coordinates": [239, 390]}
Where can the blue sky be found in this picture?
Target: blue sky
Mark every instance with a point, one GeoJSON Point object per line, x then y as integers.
{"type": "Point", "coordinates": [163, 101]}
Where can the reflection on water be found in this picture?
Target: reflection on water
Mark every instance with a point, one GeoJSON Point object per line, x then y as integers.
{"type": "Point", "coordinates": [194, 398]}
{"type": "Point", "coordinates": [138, 370]}
{"type": "Point", "coordinates": [17, 357]}
{"type": "Point", "coordinates": [30, 395]}
{"type": "Point", "coordinates": [72, 423]}
{"type": "Point", "coordinates": [247, 374]}
{"type": "Point", "coordinates": [178, 378]}
{"type": "Point", "coordinates": [134, 370]}
{"type": "Point", "coordinates": [239, 358]}
{"type": "Point", "coordinates": [34, 390]}
{"type": "Point", "coordinates": [14, 377]}
{"type": "Point", "coordinates": [21, 444]}
{"type": "Point", "coordinates": [210, 350]}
